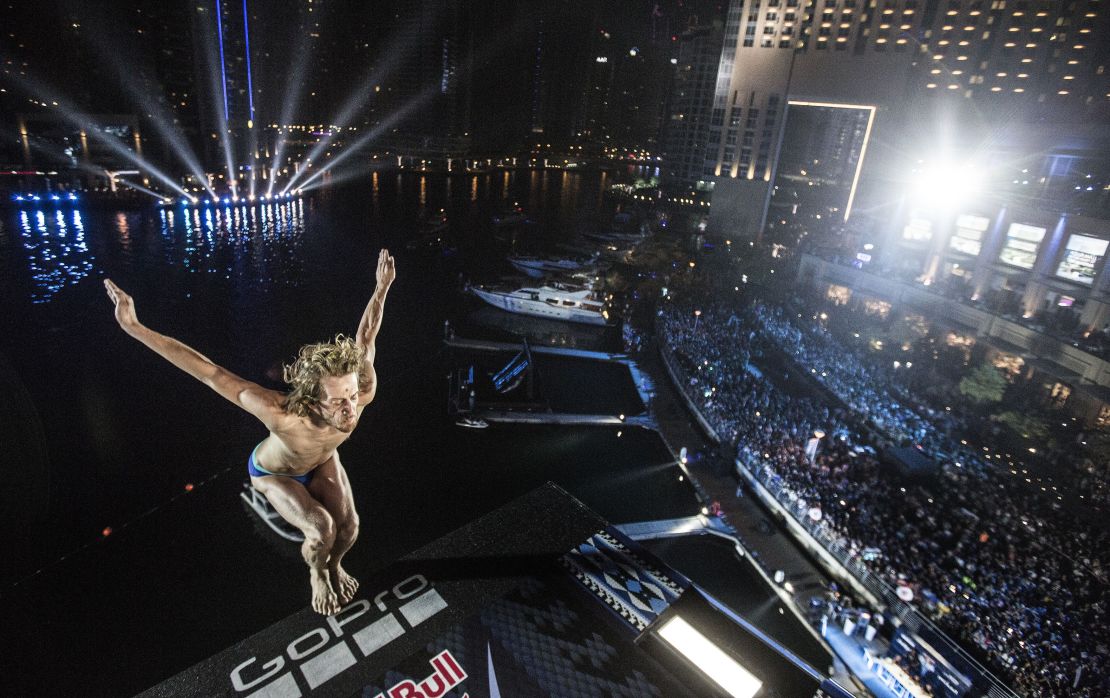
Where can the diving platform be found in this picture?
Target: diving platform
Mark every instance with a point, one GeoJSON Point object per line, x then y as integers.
{"type": "Point", "coordinates": [541, 597]}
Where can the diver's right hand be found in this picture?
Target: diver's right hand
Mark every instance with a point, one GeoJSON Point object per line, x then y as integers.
{"type": "Point", "coordinates": [125, 306]}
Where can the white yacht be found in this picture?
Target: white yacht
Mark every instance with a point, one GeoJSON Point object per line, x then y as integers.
{"type": "Point", "coordinates": [554, 300]}
{"type": "Point", "coordinates": [538, 266]}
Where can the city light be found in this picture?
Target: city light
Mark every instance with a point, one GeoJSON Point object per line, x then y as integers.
{"type": "Point", "coordinates": [722, 669]}
{"type": "Point", "coordinates": [95, 131]}
{"type": "Point", "coordinates": [398, 49]}
{"type": "Point", "coordinates": [945, 182]}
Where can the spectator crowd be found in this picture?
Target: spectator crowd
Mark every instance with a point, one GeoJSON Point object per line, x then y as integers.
{"type": "Point", "coordinates": [995, 561]}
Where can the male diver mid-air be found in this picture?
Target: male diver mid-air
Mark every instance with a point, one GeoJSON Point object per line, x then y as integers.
{"type": "Point", "coordinates": [297, 466]}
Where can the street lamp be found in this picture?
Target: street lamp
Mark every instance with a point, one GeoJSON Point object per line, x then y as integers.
{"type": "Point", "coordinates": [697, 316]}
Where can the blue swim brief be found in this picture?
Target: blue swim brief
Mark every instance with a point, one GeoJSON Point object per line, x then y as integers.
{"type": "Point", "coordinates": [257, 470]}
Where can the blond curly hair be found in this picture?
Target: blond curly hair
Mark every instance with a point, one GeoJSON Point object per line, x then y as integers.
{"type": "Point", "coordinates": [317, 361]}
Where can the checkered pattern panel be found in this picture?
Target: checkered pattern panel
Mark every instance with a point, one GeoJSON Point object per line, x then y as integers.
{"type": "Point", "coordinates": [634, 590]}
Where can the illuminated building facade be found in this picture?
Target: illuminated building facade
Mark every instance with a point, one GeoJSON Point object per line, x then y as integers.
{"type": "Point", "coordinates": [979, 64]}
{"type": "Point", "coordinates": [1031, 283]}
{"type": "Point", "coordinates": [1022, 261]}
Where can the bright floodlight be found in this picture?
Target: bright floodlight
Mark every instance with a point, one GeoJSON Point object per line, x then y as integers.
{"type": "Point", "coordinates": [946, 183]}
{"type": "Point", "coordinates": [725, 671]}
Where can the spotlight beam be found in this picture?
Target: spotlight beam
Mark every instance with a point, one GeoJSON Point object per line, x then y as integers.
{"type": "Point", "coordinates": [51, 150]}
{"type": "Point", "coordinates": [373, 134]}
{"type": "Point", "coordinates": [396, 51]}
{"type": "Point", "coordinates": [159, 118]}
{"type": "Point", "coordinates": [139, 187]}
{"type": "Point", "coordinates": [296, 77]}
{"type": "Point", "coordinates": [71, 114]}
{"type": "Point", "coordinates": [219, 86]}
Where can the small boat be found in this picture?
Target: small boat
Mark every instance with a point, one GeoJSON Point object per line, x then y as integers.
{"type": "Point", "coordinates": [538, 266]}
{"type": "Point", "coordinates": [434, 224]}
{"type": "Point", "coordinates": [554, 300]}
{"type": "Point", "coordinates": [512, 216]}
{"type": "Point", "coordinates": [471, 423]}
{"type": "Point", "coordinates": [614, 237]}
{"type": "Point", "coordinates": [431, 234]}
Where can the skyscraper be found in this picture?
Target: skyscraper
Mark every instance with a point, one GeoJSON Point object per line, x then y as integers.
{"type": "Point", "coordinates": [686, 129]}
{"type": "Point", "coordinates": [429, 80]}
{"type": "Point", "coordinates": [981, 65]}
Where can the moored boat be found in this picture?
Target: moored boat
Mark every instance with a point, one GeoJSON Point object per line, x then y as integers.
{"type": "Point", "coordinates": [536, 267]}
{"type": "Point", "coordinates": [554, 300]}
{"type": "Point", "coordinates": [511, 216]}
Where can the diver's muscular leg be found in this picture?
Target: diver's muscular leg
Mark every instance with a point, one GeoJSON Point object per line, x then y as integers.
{"type": "Point", "coordinates": [298, 507]}
{"type": "Point", "coordinates": [331, 488]}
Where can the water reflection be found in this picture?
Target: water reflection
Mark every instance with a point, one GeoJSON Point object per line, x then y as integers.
{"type": "Point", "coordinates": [257, 242]}
{"type": "Point", "coordinates": [55, 257]}
{"type": "Point", "coordinates": [265, 242]}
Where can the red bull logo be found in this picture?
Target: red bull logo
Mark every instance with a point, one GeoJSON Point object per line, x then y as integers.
{"type": "Point", "coordinates": [446, 675]}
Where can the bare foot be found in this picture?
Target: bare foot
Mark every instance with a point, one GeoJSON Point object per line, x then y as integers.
{"type": "Point", "coordinates": [324, 600]}
{"type": "Point", "coordinates": [344, 584]}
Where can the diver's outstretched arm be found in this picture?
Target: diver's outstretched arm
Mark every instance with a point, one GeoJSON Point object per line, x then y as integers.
{"type": "Point", "coordinates": [265, 404]}
{"type": "Point", "coordinates": [371, 322]}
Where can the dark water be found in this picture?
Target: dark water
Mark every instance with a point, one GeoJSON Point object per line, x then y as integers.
{"type": "Point", "coordinates": [100, 432]}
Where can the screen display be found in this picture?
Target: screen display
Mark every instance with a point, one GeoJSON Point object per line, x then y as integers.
{"type": "Point", "coordinates": [918, 230]}
{"type": "Point", "coordinates": [1020, 249]}
{"type": "Point", "coordinates": [1081, 256]}
{"type": "Point", "coordinates": [968, 236]}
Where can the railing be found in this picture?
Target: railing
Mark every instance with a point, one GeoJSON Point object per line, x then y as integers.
{"type": "Point", "coordinates": [910, 617]}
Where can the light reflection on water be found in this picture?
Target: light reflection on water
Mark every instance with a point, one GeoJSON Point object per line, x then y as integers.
{"type": "Point", "coordinates": [56, 257]}
{"type": "Point", "coordinates": [260, 241]}
{"type": "Point", "coordinates": [264, 244]}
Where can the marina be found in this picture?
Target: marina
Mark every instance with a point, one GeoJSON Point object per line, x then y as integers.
{"type": "Point", "coordinates": [121, 531]}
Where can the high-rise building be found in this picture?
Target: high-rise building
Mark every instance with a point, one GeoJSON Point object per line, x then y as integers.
{"type": "Point", "coordinates": [980, 65]}
{"type": "Point", "coordinates": [429, 83]}
{"type": "Point", "coordinates": [686, 130]}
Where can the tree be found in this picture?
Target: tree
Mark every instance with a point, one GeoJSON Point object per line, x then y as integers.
{"type": "Point", "coordinates": [1029, 426]}
{"type": "Point", "coordinates": [984, 385]}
